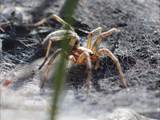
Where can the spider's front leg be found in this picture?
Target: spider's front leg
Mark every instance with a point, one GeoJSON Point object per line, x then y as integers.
{"type": "Point", "coordinates": [101, 36]}
{"type": "Point", "coordinates": [85, 57]}
{"type": "Point", "coordinates": [91, 34]}
{"type": "Point", "coordinates": [107, 52]}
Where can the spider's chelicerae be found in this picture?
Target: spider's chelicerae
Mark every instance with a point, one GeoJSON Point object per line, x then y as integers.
{"type": "Point", "coordinates": [79, 54]}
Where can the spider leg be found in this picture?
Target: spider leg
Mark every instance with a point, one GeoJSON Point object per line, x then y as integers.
{"type": "Point", "coordinates": [1, 29]}
{"type": "Point", "coordinates": [90, 36]}
{"type": "Point", "coordinates": [85, 56]}
{"type": "Point", "coordinates": [41, 22]}
{"type": "Point", "coordinates": [47, 54]}
{"type": "Point", "coordinates": [71, 61]}
{"type": "Point", "coordinates": [60, 20]}
{"type": "Point", "coordinates": [107, 52]}
{"type": "Point", "coordinates": [55, 54]}
{"type": "Point", "coordinates": [109, 32]}
{"type": "Point", "coordinates": [72, 58]}
{"type": "Point", "coordinates": [54, 17]}
{"type": "Point", "coordinates": [101, 36]}
{"type": "Point", "coordinates": [97, 65]}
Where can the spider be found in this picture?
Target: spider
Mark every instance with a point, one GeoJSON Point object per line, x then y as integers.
{"type": "Point", "coordinates": [78, 54]}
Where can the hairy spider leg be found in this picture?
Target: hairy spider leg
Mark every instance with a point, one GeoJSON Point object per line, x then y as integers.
{"type": "Point", "coordinates": [54, 17]}
{"type": "Point", "coordinates": [47, 69]}
{"type": "Point", "coordinates": [96, 31]}
{"type": "Point", "coordinates": [100, 37]}
{"type": "Point", "coordinates": [107, 52]}
{"type": "Point", "coordinates": [1, 29]}
{"type": "Point", "coordinates": [85, 57]}
{"type": "Point", "coordinates": [90, 36]}
{"type": "Point", "coordinates": [47, 54]}
{"type": "Point", "coordinates": [60, 20]}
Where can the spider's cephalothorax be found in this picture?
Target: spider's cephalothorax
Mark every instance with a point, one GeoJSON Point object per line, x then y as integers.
{"type": "Point", "coordinates": [79, 54]}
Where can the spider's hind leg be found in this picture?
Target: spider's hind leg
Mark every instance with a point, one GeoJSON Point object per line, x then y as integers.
{"type": "Point", "coordinates": [47, 54]}
{"type": "Point", "coordinates": [48, 67]}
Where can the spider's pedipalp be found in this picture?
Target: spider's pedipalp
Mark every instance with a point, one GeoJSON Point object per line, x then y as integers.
{"type": "Point", "coordinates": [72, 58]}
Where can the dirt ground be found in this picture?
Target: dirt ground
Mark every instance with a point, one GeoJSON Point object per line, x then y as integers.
{"type": "Point", "coordinates": [137, 45]}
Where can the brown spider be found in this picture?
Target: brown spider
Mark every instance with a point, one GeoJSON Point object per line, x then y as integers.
{"type": "Point", "coordinates": [79, 54]}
